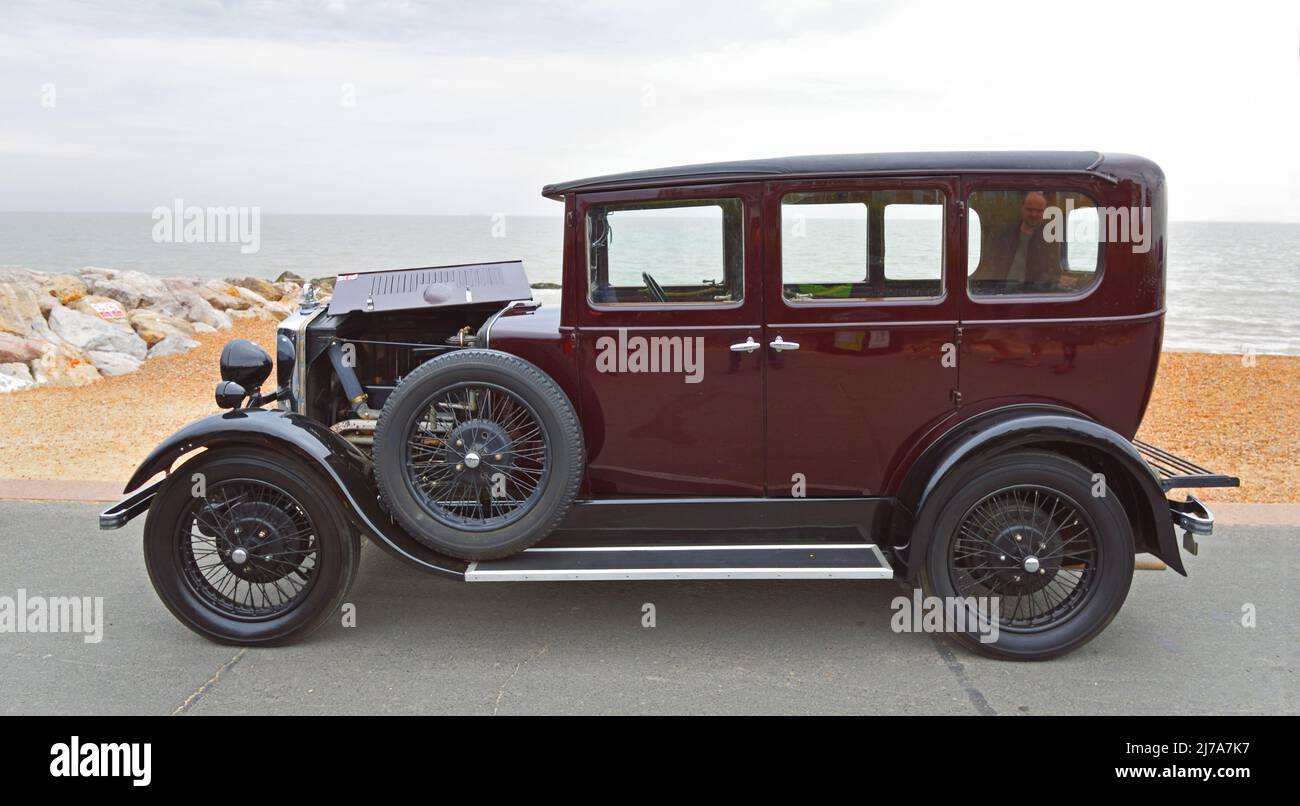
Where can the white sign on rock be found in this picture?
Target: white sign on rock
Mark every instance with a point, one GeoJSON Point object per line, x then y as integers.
{"type": "Point", "coordinates": [108, 310]}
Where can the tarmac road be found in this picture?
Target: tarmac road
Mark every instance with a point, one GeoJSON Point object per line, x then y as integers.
{"type": "Point", "coordinates": [427, 645]}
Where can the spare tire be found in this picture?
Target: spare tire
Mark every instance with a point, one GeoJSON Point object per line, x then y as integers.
{"type": "Point", "coordinates": [478, 454]}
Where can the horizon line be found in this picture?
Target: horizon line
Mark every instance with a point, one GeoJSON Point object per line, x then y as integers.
{"type": "Point", "coordinates": [517, 215]}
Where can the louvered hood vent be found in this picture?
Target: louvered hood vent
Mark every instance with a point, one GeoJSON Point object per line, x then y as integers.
{"type": "Point", "coordinates": [433, 287]}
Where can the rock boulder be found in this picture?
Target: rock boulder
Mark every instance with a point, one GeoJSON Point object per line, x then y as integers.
{"type": "Point", "coordinates": [61, 365]}
{"type": "Point", "coordinates": [133, 289]}
{"type": "Point", "coordinates": [262, 287]}
{"type": "Point", "coordinates": [111, 363]}
{"type": "Point", "coordinates": [223, 296]}
{"type": "Point", "coordinates": [153, 327]}
{"type": "Point", "coordinates": [20, 304]}
{"type": "Point", "coordinates": [87, 332]}
{"type": "Point", "coordinates": [172, 345]}
{"type": "Point", "coordinates": [14, 349]}
{"type": "Point", "coordinates": [195, 308]}
{"type": "Point", "coordinates": [65, 288]}
{"type": "Point", "coordinates": [262, 305]}
{"type": "Point", "coordinates": [15, 378]}
{"type": "Point", "coordinates": [110, 310]}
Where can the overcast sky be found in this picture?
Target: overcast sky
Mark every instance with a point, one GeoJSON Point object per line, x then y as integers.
{"type": "Point", "coordinates": [401, 107]}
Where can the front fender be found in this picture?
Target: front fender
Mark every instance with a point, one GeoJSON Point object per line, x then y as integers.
{"type": "Point", "coordinates": [338, 461]}
{"type": "Point", "coordinates": [1048, 428]}
{"type": "Point", "coordinates": [265, 427]}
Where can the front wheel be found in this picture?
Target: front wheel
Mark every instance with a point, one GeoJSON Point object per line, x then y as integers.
{"type": "Point", "coordinates": [1023, 536]}
{"type": "Point", "coordinates": [248, 547]}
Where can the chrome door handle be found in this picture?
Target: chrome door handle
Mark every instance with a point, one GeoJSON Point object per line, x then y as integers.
{"type": "Point", "coordinates": [781, 345]}
{"type": "Point", "coordinates": [746, 346]}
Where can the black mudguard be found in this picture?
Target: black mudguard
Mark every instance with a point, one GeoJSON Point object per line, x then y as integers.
{"type": "Point", "coordinates": [1020, 427]}
{"type": "Point", "coordinates": [337, 460]}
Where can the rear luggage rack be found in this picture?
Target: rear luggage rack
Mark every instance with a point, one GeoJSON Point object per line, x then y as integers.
{"type": "Point", "coordinates": [1175, 471]}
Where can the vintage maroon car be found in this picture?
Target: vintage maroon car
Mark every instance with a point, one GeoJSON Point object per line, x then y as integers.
{"type": "Point", "coordinates": [922, 366]}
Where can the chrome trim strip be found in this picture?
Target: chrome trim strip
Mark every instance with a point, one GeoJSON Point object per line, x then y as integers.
{"type": "Point", "coordinates": [865, 324]}
{"type": "Point", "coordinates": [706, 547]}
{"type": "Point", "coordinates": [663, 575]}
{"type": "Point", "coordinates": [487, 327]}
{"type": "Point", "coordinates": [298, 383]}
{"type": "Point", "coordinates": [1072, 320]}
{"type": "Point", "coordinates": [883, 571]}
{"type": "Point", "coordinates": [492, 320]}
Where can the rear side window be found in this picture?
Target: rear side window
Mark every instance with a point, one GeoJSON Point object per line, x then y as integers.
{"type": "Point", "coordinates": [862, 245]}
{"type": "Point", "coordinates": [666, 253]}
{"type": "Point", "coordinates": [1032, 241]}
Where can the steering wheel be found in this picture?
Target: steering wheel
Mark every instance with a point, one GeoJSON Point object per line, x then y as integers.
{"type": "Point", "coordinates": [656, 290]}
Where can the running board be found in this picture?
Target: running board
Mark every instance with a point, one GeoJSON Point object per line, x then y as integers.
{"type": "Point", "coordinates": [811, 561]}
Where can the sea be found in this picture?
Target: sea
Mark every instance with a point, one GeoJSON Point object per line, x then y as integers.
{"type": "Point", "coordinates": [1231, 287]}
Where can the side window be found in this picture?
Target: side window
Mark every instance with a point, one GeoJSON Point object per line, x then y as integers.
{"type": "Point", "coordinates": [867, 245]}
{"type": "Point", "coordinates": [823, 247]}
{"type": "Point", "coordinates": [914, 240]}
{"type": "Point", "coordinates": [648, 253]}
{"type": "Point", "coordinates": [1031, 241]}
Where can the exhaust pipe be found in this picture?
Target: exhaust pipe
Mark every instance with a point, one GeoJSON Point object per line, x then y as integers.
{"type": "Point", "coordinates": [1139, 564]}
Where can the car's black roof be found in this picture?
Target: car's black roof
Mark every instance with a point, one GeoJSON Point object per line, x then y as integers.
{"type": "Point", "coordinates": [920, 162]}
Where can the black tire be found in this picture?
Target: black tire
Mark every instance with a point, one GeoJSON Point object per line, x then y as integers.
{"type": "Point", "coordinates": [1012, 512]}
{"type": "Point", "coordinates": [311, 557]}
{"type": "Point", "coordinates": [467, 406]}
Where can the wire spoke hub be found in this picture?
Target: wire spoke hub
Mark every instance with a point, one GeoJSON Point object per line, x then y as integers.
{"type": "Point", "coordinates": [477, 458]}
{"type": "Point", "coordinates": [1031, 548]}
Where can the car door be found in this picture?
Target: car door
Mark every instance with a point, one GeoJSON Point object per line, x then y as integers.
{"type": "Point", "coordinates": [860, 334]}
{"type": "Point", "coordinates": [668, 333]}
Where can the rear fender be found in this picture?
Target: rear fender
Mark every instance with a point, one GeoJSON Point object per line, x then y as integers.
{"type": "Point", "coordinates": [1035, 427]}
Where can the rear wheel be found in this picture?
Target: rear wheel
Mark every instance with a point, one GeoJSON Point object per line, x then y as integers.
{"type": "Point", "coordinates": [249, 547]}
{"type": "Point", "coordinates": [1024, 533]}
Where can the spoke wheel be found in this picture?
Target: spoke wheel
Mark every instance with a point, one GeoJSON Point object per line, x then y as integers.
{"type": "Point", "coordinates": [476, 459]}
{"type": "Point", "coordinates": [1030, 548]}
{"type": "Point", "coordinates": [1023, 536]}
{"type": "Point", "coordinates": [264, 556]}
{"type": "Point", "coordinates": [248, 549]}
{"type": "Point", "coordinates": [478, 454]}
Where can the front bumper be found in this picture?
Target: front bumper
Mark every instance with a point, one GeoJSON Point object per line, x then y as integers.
{"type": "Point", "coordinates": [121, 513]}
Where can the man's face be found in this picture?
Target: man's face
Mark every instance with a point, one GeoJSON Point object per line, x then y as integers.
{"type": "Point", "coordinates": [1031, 211]}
